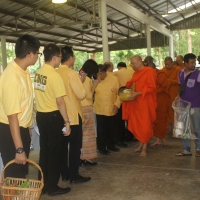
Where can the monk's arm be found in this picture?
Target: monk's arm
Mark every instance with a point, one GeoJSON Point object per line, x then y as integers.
{"type": "Point", "coordinates": [150, 84]}
{"type": "Point", "coordinates": [173, 81]}
{"type": "Point", "coordinates": [161, 83]}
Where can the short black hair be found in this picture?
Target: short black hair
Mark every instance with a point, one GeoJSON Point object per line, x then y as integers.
{"type": "Point", "coordinates": [189, 56]}
{"type": "Point", "coordinates": [168, 58]}
{"type": "Point", "coordinates": [51, 50]}
{"type": "Point", "coordinates": [148, 59]}
{"type": "Point", "coordinates": [26, 44]}
{"type": "Point", "coordinates": [103, 68]}
{"type": "Point", "coordinates": [121, 64]}
{"type": "Point", "coordinates": [66, 51]}
{"type": "Point", "coordinates": [91, 68]}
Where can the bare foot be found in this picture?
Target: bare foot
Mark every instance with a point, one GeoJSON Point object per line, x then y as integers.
{"type": "Point", "coordinates": [139, 147]}
{"type": "Point", "coordinates": [143, 153]}
{"type": "Point", "coordinates": [164, 142]}
{"type": "Point", "coordinates": [157, 142]}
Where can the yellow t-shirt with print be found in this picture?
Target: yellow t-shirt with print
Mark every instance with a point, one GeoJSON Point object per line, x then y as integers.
{"type": "Point", "coordinates": [16, 95]}
{"type": "Point", "coordinates": [48, 86]}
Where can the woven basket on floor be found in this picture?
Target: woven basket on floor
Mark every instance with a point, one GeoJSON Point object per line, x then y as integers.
{"type": "Point", "coordinates": [33, 191]}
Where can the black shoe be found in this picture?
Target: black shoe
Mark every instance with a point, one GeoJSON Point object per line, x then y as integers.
{"type": "Point", "coordinates": [80, 179]}
{"type": "Point", "coordinates": [115, 149]}
{"type": "Point", "coordinates": [121, 144]}
{"type": "Point", "coordinates": [104, 152]}
{"type": "Point", "coordinates": [86, 162]}
{"type": "Point", "coordinates": [59, 191]}
{"type": "Point", "coordinates": [81, 162]}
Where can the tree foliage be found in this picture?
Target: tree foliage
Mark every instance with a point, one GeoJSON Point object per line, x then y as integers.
{"type": "Point", "coordinates": [159, 53]}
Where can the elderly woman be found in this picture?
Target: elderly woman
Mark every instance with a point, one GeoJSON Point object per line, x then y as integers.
{"type": "Point", "coordinates": [89, 149]}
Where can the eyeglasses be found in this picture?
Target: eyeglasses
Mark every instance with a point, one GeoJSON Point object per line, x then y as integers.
{"type": "Point", "coordinates": [60, 57]}
{"type": "Point", "coordinates": [39, 54]}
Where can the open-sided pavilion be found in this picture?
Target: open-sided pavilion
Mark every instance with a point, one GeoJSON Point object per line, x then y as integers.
{"type": "Point", "coordinates": [98, 25]}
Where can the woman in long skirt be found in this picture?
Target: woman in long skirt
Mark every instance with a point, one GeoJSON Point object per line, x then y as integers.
{"type": "Point", "coordinates": [89, 149]}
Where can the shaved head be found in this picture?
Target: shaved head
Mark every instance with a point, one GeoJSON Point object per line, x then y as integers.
{"type": "Point", "coordinates": [168, 63]}
{"type": "Point", "coordinates": [136, 62]}
{"type": "Point", "coordinates": [179, 59]}
{"type": "Point", "coordinates": [137, 57]}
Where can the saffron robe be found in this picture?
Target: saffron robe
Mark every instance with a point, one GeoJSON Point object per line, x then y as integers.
{"type": "Point", "coordinates": [141, 112]}
{"type": "Point", "coordinates": [163, 105]}
{"type": "Point", "coordinates": [172, 88]}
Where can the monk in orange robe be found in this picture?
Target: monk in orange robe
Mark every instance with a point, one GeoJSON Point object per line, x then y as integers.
{"type": "Point", "coordinates": [163, 104]}
{"type": "Point", "coordinates": [172, 87]}
{"type": "Point", "coordinates": [140, 111]}
{"type": "Point", "coordinates": [180, 61]}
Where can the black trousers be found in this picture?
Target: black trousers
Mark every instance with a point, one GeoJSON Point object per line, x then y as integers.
{"type": "Point", "coordinates": [105, 131]}
{"type": "Point", "coordinates": [51, 143]}
{"type": "Point", "coordinates": [7, 149]}
{"type": "Point", "coordinates": [74, 140]}
{"type": "Point", "coordinates": [120, 130]}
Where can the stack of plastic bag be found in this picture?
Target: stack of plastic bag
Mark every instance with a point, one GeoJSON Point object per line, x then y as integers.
{"type": "Point", "coordinates": [182, 123]}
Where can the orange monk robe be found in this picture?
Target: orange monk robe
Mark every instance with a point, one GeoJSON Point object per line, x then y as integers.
{"type": "Point", "coordinates": [141, 112]}
{"type": "Point", "coordinates": [163, 104]}
{"type": "Point", "coordinates": [172, 88]}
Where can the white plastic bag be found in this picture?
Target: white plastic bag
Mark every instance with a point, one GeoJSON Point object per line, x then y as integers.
{"type": "Point", "coordinates": [182, 123]}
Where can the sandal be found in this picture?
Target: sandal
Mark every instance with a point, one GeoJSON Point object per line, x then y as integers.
{"type": "Point", "coordinates": [184, 154]}
{"type": "Point", "coordinates": [197, 153]}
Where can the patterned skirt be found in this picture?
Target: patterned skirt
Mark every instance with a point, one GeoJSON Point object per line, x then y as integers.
{"type": "Point", "coordinates": [89, 147]}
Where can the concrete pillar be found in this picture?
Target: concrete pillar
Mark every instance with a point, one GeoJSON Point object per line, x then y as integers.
{"type": "Point", "coordinates": [148, 34]}
{"type": "Point", "coordinates": [171, 47]}
{"type": "Point", "coordinates": [106, 54]}
{"type": "Point", "coordinates": [3, 51]}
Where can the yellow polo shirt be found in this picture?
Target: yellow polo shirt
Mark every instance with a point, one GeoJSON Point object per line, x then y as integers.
{"type": "Point", "coordinates": [16, 95]}
{"type": "Point", "coordinates": [87, 84]}
{"type": "Point", "coordinates": [110, 73]}
{"type": "Point", "coordinates": [106, 96]}
{"type": "Point", "coordinates": [48, 86]}
{"type": "Point", "coordinates": [123, 76]}
{"type": "Point", "coordinates": [129, 67]}
{"type": "Point", "coordinates": [75, 93]}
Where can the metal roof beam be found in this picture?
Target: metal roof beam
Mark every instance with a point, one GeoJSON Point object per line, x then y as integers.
{"type": "Point", "coordinates": [138, 15]}
{"type": "Point", "coordinates": [150, 8]}
{"type": "Point", "coordinates": [108, 19]}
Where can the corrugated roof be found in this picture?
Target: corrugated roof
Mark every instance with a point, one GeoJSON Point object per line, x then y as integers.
{"type": "Point", "coordinates": [62, 23]}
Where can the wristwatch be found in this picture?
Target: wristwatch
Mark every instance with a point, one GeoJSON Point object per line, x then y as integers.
{"type": "Point", "coordinates": [20, 150]}
{"type": "Point", "coordinates": [67, 121]}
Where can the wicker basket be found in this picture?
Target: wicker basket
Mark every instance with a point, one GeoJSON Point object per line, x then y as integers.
{"type": "Point", "coordinates": [33, 191]}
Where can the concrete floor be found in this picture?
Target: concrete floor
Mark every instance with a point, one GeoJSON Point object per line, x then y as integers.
{"type": "Point", "coordinates": [127, 176]}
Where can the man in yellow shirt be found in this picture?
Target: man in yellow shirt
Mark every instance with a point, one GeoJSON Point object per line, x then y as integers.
{"type": "Point", "coordinates": [51, 117]}
{"type": "Point", "coordinates": [75, 93]}
{"type": "Point", "coordinates": [123, 76]}
{"type": "Point", "coordinates": [110, 67]}
{"type": "Point", "coordinates": [106, 106]}
{"type": "Point", "coordinates": [16, 106]}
